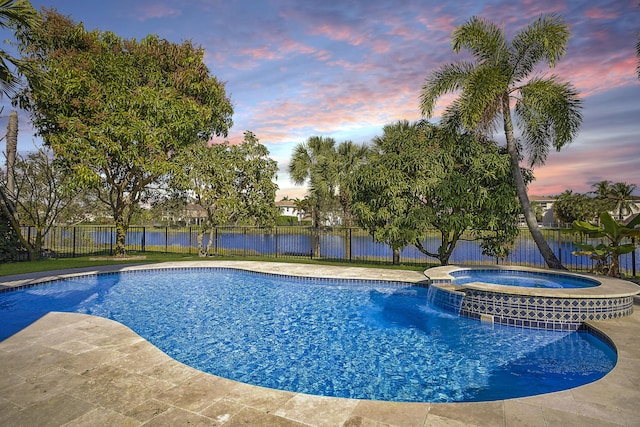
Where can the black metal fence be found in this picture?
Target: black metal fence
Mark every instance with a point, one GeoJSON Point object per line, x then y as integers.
{"type": "Point", "coordinates": [346, 244]}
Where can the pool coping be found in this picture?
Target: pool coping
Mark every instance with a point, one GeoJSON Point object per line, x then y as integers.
{"type": "Point", "coordinates": [74, 369]}
{"type": "Point", "coordinates": [609, 286]}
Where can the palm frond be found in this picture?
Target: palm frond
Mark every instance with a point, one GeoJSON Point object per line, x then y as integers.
{"type": "Point", "coordinates": [482, 38]}
{"type": "Point", "coordinates": [544, 39]}
{"type": "Point", "coordinates": [8, 83]}
{"type": "Point", "coordinates": [483, 89]}
{"type": "Point", "coordinates": [638, 55]}
{"type": "Point", "coordinates": [446, 79]}
{"type": "Point", "coordinates": [300, 164]}
{"type": "Point", "coordinates": [18, 12]}
{"type": "Point", "coordinates": [548, 112]}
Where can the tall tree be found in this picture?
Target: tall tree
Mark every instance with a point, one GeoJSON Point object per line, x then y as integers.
{"type": "Point", "coordinates": [116, 111]}
{"type": "Point", "coordinates": [41, 193]}
{"type": "Point", "coordinates": [232, 183]}
{"type": "Point", "coordinates": [546, 109]}
{"type": "Point", "coordinates": [422, 178]}
{"type": "Point", "coordinates": [315, 161]}
{"type": "Point", "coordinates": [348, 157]}
{"type": "Point", "coordinates": [255, 175]}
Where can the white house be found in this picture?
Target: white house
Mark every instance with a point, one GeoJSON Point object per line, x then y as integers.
{"type": "Point", "coordinates": [288, 208]}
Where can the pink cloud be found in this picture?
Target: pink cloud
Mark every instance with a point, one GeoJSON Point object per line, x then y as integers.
{"type": "Point", "coordinates": [591, 77]}
{"type": "Point", "coordinates": [342, 33]}
{"type": "Point", "coordinates": [281, 50]}
{"type": "Point", "coordinates": [336, 108]}
{"type": "Point", "coordinates": [441, 23]}
{"type": "Point", "coordinates": [262, 52]}
{"type": "Point", "coordinates": [599, 13]}
{"type": "Point", "coordinates": [156, 11]}
{"type": "Point", "coordinates": [353, 67]}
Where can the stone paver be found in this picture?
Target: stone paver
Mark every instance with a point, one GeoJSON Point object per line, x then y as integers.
{"type": "Point", "coordinates": [79, 370]}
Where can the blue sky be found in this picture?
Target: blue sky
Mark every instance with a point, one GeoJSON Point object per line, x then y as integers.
{"type": "Point", "coordinates": [344, 69]}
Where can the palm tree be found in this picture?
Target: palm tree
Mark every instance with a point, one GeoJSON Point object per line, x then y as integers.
{"type": "Point", "coordinates": [601, 189]}
{"type": "Point", "coordinates": [14, 13]}
{"type": "Point", "coordinates": [302, 206]}
{"type": "Point", "coordinates": [349, 157]}
{"type": "Point", "coordinates": [315, 161]}
{"type": "Point", "coordinates": [621, 192]}
{"type": "Point", "coordinates": [546, 109]}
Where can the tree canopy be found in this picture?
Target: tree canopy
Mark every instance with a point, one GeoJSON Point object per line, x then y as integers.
{"type": "Point", "coordinates": [570, 206]}
{"type": "Point", "coordinates": [116, 111]}
{"type": "Point", "coordinates": [41, 193]}
{"type": "Point", "coordinates": [231, 183]}
{"type": "Point", "coordinates": [421, 177]}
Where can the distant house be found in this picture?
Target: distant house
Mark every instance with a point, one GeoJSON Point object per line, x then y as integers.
{"type": "Point", "coordinates": [191, 214]}
{"type": "Point", "coordinates": [288, 208]}
{"type": "Point", "coordinates": [194, 214]}
{"type": "Point", "coordinates": [546, 206]}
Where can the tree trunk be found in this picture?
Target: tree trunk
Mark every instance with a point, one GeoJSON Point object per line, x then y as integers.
{"type": "Point", "coordinates": [347, 244]}
{"type": "Point", "coordinates": [6, 201]}
{"type": "Point", "coordinates": [396, 256]}
{"type": "Point", "coordinates": [315, 250]}
{"type": "Point", "coordinates": [122, 227]}
{"type": "Point", "coordinates": [12, 148]}
{"type": "Point", "coordinates": [210, 242]}
{"type": "Point", "coordinates": [201, 250]}
{"type": "Point", "coordinates": [530, 217]}
{"type": "Point", "coordinates": [8, 210]}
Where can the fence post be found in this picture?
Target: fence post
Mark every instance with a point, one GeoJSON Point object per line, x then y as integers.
{"type": "Point", "coordinates": [314, 236]}
{"type": "Point", "coordinates": [276, 237]}
{"type": "Point", "coordinates": [166, 239]}
{"type": "Point", "coordinates": [144, 238]}
{"type": "Point", "coordinates": [244, 242]}
{"type": "Point", "coordinates": [559, 245]}
{"type": "Point", "coordinates": [111, 241]}
{"type": "Point", "coordinates": [73, 248]}
{"type": "Point", "coordinates": [190, 241]}
{"type": "Point", "coordinates": [633, 257]}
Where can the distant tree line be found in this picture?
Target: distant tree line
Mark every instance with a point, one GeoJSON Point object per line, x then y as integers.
{"type": "Point", "coordinates": [606, 196]}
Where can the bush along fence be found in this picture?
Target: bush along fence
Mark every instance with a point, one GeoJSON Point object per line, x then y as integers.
{"type": "Point", "coordinates": [343, 244]}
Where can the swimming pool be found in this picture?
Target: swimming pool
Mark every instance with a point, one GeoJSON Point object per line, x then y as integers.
{"type": "Point", "coordinates": [344, 338]}
{"type": "Point", "coordinates": [526, 279]}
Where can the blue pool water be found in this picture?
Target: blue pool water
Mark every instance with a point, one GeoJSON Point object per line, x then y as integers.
{"type": "Point", "coordinates": [356, 339]}
{"type": "Point", "coordinates": [527, 279]}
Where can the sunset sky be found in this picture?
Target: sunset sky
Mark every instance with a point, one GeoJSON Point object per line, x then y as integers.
{"type": "Point", "coordinates": [344, 69]}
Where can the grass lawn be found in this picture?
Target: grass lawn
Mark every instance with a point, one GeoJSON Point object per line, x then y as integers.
{"type": "Point", "coordinates": [8, 269]}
